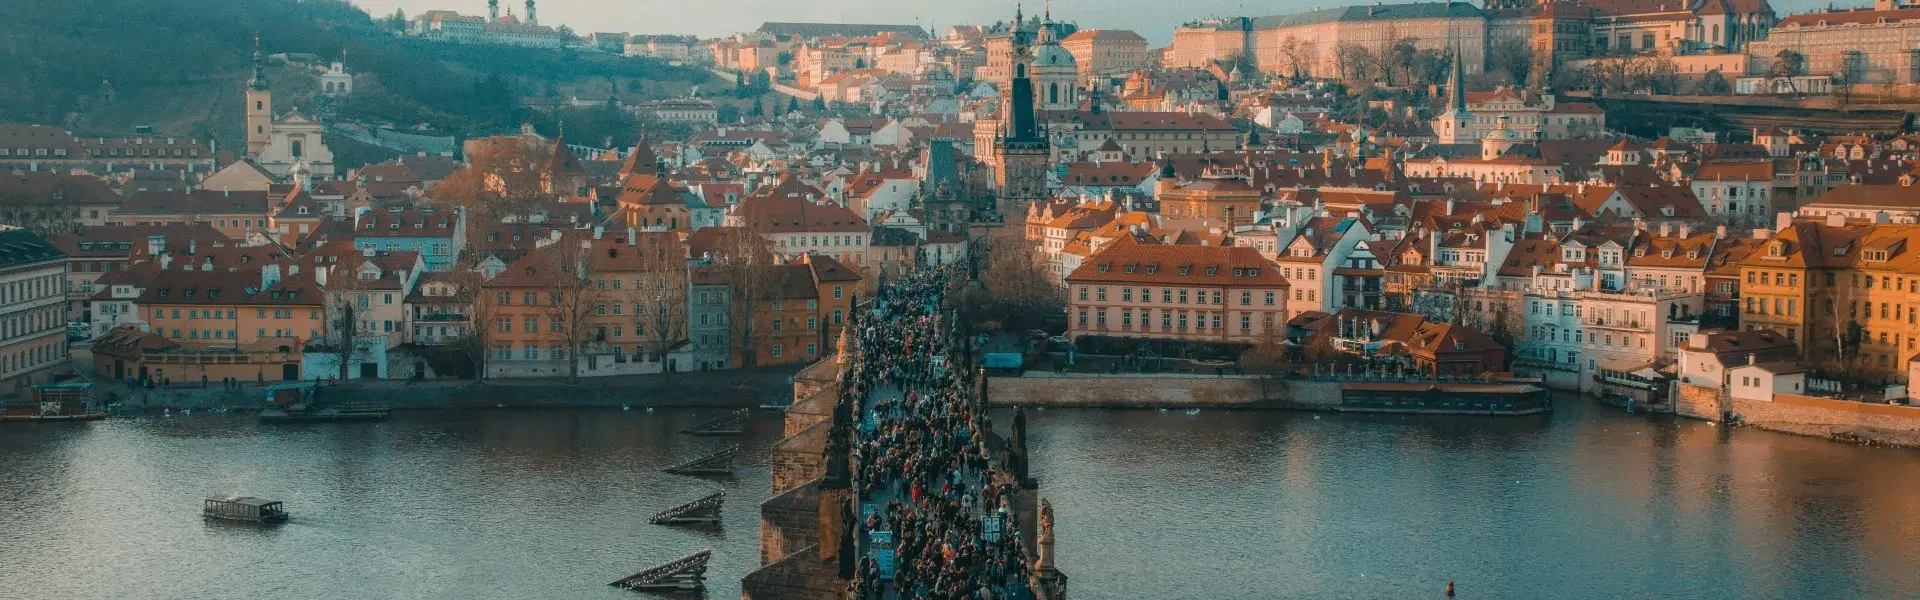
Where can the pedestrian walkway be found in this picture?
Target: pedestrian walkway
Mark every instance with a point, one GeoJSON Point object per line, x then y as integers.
{"type": "Point", "coordinates": [935, 515]}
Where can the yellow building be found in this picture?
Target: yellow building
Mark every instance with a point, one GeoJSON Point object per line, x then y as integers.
{"type": "Point", "coordinates": [1838, 289]}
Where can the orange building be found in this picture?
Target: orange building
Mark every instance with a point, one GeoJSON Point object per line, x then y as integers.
{"type": "Point", "coordinates": [230, 309]}
{"type": "Point", "coordinates": [1224, 198]}
{"type": "Point", "coordinates": [805, 304]}
{"type": "Point", "coordinates": [236, 214]}
{"type": "Point", "coordinates": [1197, 293]}
{"type": "Point", "coordinates": [614, 303]}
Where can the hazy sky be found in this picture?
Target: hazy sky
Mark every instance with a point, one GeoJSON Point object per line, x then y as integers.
{"type": "Point", "coordinates": [1154, 19]}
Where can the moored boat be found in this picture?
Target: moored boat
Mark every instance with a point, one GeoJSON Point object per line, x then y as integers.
{"type": "Point", "coordinates": [235, 507]}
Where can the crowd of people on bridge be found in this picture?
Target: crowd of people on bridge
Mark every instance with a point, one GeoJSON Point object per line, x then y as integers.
{"type": "Point", "coordinates": [921, 457]}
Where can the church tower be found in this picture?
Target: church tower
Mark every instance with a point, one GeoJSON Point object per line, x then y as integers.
{"type": "Point", "coordinates": [1025, 151]}
{"type": "Point", "coordinates": [259, 105]}
{"type": "Point", "coordinates": [493, 11]}
{"type": "Point", "coordinates": [532, 19]}
{"type": "Point", "coordinates": [1455, 126]}
{"type": "Point", "coordinates": [1053, 70]}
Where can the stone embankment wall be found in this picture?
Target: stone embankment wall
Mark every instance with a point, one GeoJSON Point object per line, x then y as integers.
{"type": "Point", "coordinates": [1160, 391]}
{"type": "Point", "coordinates": [1698, 401]}
{"type": "Point", "coordinates": [1805, 415]}
{"type": "Point", "coordinates": [704, 388]}
{"type": "Point", "coordinates": [1833, 419]}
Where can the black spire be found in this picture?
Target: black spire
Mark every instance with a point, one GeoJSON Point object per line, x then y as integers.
{"type": "Point", "coordinates": [1022, 98]}
{"type": "Point", "coordinates": [259, 82]}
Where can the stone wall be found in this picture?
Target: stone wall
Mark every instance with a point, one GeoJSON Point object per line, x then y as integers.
{"type": "Point", "coordinates": [1160, 391]}
{"type": "Point", "coordinates": [789, 521]}
{"type": "Point", "coordinates": [1698, 401]}
{"type": "Point", "coordinates": [740, 387]}
{"type": "Point", "coordinates": [799, 458]}
{"type": "Point", "coordinates": [1833, 419]}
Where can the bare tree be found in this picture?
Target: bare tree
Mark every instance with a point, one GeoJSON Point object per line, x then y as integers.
{"type": "Point", "coordinates": [661, 288]}
{"type": "Point", "coordinates": [1272, 359]}
{"type": "Point", "coordinates": [475, 341]}
{"type": "Point", "coordinates": [346, 299]}
{"type": "Point", "coordinates": [1356, 62]}
{"type": "Point", "coordinates": [1788, 64]}
{"type": "Point", "coordinates": [745, 260]}
{"type": "Point", "coordinates": [1399, 57]}
{"type": "Point", "coordinates": [1515, 56]}
{"type": "Point", "coordinates": [501, 178]}
{"type": "Point", "coordinates": [1295, 55]}
{"type": "Point", "coordinates": [1015, 289]}
{"type": "Point", "coordinates": [566, 273]}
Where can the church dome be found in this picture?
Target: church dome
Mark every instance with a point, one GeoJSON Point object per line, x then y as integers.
{"type": "Point", "coordinates": [1052, 55]}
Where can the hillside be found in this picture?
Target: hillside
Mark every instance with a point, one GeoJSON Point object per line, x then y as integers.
{"type": "Point", "coordinates": [180, 66]}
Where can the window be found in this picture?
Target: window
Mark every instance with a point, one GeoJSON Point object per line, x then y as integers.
{"type": "Point", "coordinates": [1269, 297]}
{"type": "Point", "coordinates": [776, 351]}
{"type": "Point", "coordinates": [1083, 292]}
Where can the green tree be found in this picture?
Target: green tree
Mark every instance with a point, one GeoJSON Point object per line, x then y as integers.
{"type": "Point", "coordinates": [759, 109]}
{"type": "Point", "coordinates": [793, 105]}
{"type": "Point", "coordinates": [1515, 56]}
{"type": "Point", "coordinates": [1714, 84]}
{"type": "Point", "coordinates": [1400, 57]}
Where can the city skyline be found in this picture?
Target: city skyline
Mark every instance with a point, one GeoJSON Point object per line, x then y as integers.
{"type": "Point", "coordinates": [1152, 20]}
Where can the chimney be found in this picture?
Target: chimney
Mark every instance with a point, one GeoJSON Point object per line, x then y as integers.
{"type": "Point", "coordinates": [1720, 232]}
{"type": "Point", "coordinates": [1666, 229]}
{"type": "Point", "coordinates": [166, 260]}
{"type": "Point", "coordinates": [193, 246]}
{"type": "Point", "coordinates": [1836, 220]}
{"type": "Point", "coordinates": [1686, 230]}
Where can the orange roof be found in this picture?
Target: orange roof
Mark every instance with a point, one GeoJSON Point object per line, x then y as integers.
{"type": "Point", "coordinates": [1179, 265]}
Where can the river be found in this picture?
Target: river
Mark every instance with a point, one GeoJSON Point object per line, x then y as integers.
{"type": "Point", "coordinates": [1586, 502]}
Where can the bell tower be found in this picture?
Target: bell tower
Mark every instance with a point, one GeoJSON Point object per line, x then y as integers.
{"type": "Point", "coordinates": [259, 105]}
{"type": "Point", "coordinates": [532, 19]}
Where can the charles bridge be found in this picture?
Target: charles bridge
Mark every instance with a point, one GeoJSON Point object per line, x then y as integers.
{"type": "Point", "coordinates": [812, 545]}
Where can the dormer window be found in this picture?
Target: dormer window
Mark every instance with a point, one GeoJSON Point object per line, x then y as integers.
{"type": "Point", "coordinates": [1129, 269]}
{"type": "Point", "coordinates": [1103, 268]}
{"type": "Point", "coordinates": [1151, 269]}
{"type": "Point", "coordinates": [1777, 250]}
{"type": "Point", "coordinates": [1186, 270]}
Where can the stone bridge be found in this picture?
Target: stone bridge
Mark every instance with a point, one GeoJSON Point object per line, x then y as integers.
{"type": "Point", "coordinates": [820, 537]}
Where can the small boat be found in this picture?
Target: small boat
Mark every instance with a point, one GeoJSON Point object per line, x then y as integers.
{"type": "Point", "coordinates": [304, 413]}
{"type": "Point", "coordinates": [235, 507]}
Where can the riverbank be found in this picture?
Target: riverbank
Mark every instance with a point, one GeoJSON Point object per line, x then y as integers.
{"type": "Point", "coordinates": [701, 389]}
{"type": "Point", "coordinates": [1175, 391]}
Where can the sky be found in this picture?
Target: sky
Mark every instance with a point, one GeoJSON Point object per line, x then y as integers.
{"type": "Point", "coordinates": [1154, 19]}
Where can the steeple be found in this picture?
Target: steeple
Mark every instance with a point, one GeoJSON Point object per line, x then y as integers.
{"type": "Point", "coordinates": [259, 82]}
{"type": "Point", "coordinates": [532, 19]}
{"type": "Point", "coordinates": [493, 11]}
{"type": "Point", "coordinates": [1457, 83]}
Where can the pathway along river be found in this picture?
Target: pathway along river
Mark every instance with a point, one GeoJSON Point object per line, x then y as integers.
{"type": "Point", "coordinates": [1585, 503]}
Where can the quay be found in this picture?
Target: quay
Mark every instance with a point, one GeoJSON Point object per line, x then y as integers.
{"type": "Point", "coordinates": [891, 481]}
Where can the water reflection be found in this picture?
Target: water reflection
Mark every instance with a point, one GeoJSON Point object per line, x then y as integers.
{"type": "Point", "coordinates": [542, 504]}
{"type": "Point", "coordinates": [1583, 502]}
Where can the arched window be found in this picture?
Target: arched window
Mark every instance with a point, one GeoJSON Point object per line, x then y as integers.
{"type": "Point", "coordinates": [1020, 70]}
{"type": "Point", "coordinates": [296, 148]}
{"type": "Point", "coordinates": [1053, 93]}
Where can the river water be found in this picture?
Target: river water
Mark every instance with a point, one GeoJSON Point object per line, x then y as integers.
{"type": "Point", "coordinates": [1584, 503]}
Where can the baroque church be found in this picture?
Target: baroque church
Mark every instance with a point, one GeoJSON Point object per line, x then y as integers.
{"type": "Point", "coordinates": [286, 145]}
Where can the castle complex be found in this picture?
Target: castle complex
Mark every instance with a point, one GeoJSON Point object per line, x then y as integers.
{"type": "Point", "coordinates": [1307, 44]}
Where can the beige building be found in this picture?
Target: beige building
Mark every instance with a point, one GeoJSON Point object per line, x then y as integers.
{"type": "Point", "coordinates": [1196, 293]}
{"type": "Point", "coordinates": [1106, 53]}
{"type": "Point", "coordinates": [1877, 45]}
{"type": "Point", "coordinates": [1308, 43]}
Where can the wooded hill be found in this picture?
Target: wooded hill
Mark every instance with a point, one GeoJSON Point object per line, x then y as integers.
{"type": "Point", "coordinates": [180, 67]}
